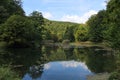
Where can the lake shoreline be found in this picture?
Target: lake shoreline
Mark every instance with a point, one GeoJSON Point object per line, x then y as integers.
{"type": "Point", "coordinates": [99, 76]}
{"type": "Point", "coordinates": [91, 44]}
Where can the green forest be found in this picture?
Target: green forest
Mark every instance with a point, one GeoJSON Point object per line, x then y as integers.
{"type": "Point", "coordinates": [20, 31]}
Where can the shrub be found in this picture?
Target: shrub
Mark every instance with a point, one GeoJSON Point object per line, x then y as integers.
{"type": "Point", "coordinates": [115, 76]}
{"type": "Point", "coordinates": [7, 74]}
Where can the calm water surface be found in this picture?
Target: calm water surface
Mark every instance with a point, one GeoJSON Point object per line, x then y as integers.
{"type": "Point", "coordinates": [62, 70]}
{"type": "Point", "coordinates": [57, 63]}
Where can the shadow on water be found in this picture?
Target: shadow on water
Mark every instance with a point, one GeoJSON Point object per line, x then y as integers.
{"type": "Point", "coordinates": [33, 63]}
{"type": "Point", "coordinates": [20, 59]}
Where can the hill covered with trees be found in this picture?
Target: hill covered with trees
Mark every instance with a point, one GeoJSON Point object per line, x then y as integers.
{"type": "Point", "coordinates": [59, 31]}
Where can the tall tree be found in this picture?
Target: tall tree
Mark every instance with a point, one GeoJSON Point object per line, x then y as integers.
{"type": "Point", "coordinates": [81, 34]}
{"type": "Point", "coordinates": [10, 7]}
{"type": "Point", "coordinates": [39, 23]}
{"type": "Point", "coordinates": [37, 16]}
{"type": "Point", "coordinates": [18, 31]}
{"type": "Point", "coordinates": [69, 33]}
{"type": "Point", "coordinates": [97, 26]}
{"type": "Point", "coordinates": [113, 11]}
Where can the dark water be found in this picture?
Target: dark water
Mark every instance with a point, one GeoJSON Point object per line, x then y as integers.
{"type": "Point", "coordinates": [57, 63]}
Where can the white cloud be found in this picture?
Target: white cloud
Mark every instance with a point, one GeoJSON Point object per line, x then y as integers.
{"type": "Point", "coordinates": [70, 64]}
{"type": "Point", "coordinates": [47, 15]}
{"type": "Point", "coordinates": [73, 64]}
{"type": "Point", "coordinates": [66, 64]}
{"type": "Point", "coordinates": [71, 18]}
{"type": "Point", "coordinates": [78, 19]}
{"type": "Point", "coordinates": [47, 66]}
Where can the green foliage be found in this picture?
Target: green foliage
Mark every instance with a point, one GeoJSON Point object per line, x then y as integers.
{"type": "Point", "coordinates": [98, 61]}
{"type": "Point", "coordinates": [69, 33]}
{"type": "Point", "coordinates": [60, 30]}
{"type": "Point", "coordinates": [58, 55]}
{"type": "Point", "coordinates": [19, 30]}
{"type": "Point", "coordinates": [3, 14]}
{"type": "Point", "coordinates": [7, 74]}
{"type": "Point", "coordinates": [38, 24]}
{"type": "Point", "coordinates": [15, 28]}
{"type": "Point", "coordinates": [46, 35]}
{"type": "Point", "coordinates": [97, 26]}
{"type": "Point", "coordinates": [8, 8]}
{"type": "Point", "coordinates": [115, 76]}
{"type": "Point", "coordinates": [113, 32]}
{"type": "Point", "coordinates": [81, 34]}
{"type": "Point", "coordinates": [37, 17]}
{"type": "Point", "coordinates": [113, 21]}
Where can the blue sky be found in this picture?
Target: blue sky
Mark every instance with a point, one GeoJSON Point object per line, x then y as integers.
{"type": "Point", "coordinates": [65, 10]}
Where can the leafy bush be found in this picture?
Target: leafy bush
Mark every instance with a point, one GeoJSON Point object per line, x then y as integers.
{"type": "Point", "coordinates": [7, 74]}
{"type": "Point", "coordinates": [81, 34]}
{"type": "Point", "coordinates": [19, 31]}
{"type": "Point", "coordinates": [115, 76]}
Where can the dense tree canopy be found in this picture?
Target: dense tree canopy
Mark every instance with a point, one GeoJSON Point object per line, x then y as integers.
{"type": "Point", "coordinates": [69, 34]}
{"type": "Point", "coordinates": [113, 11]}
{"type": "Point", "coordinates": [18, 30]}
{"type": "Point", "coordinates": [37, 17]}
{"type": "Point", "coordinates": [8, 8]}
{"type": "Point", "coordinates": [60, 30]}
{"type": "Point", "coordinates": [38, 23]}
{"type": "Point", "coordinates": [101, 26]}
{"type": "Point", "coordinates": [97, 26]}
{"type": "Point", "coordinates": [81, 33]}
{"type": "Point", "coordinates": [105, 24]}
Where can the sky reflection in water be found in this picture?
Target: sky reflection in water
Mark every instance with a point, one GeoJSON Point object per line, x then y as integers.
{"type": "Point", "coordinates": [63, 70]}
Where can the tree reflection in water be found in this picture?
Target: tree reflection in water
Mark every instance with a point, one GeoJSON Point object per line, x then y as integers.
{"type": "Point", "coordinates": [97, 59]}
{"type": "Point", "coordinates": [36, 71]}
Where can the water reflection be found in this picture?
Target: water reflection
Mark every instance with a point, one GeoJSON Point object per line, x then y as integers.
{"type": "Point", "coordinates": [34, 72]}
{"type": "Point", "coordinates": [66, 70]}
{"type": "Point", "coordinates": [20, 59]}
{"type": "Point", "coordinates": [63, 70]}
{"type": "Point", "coordinates": [87, 59]}
{"type": "Point", "coordinates": [99, 60]}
